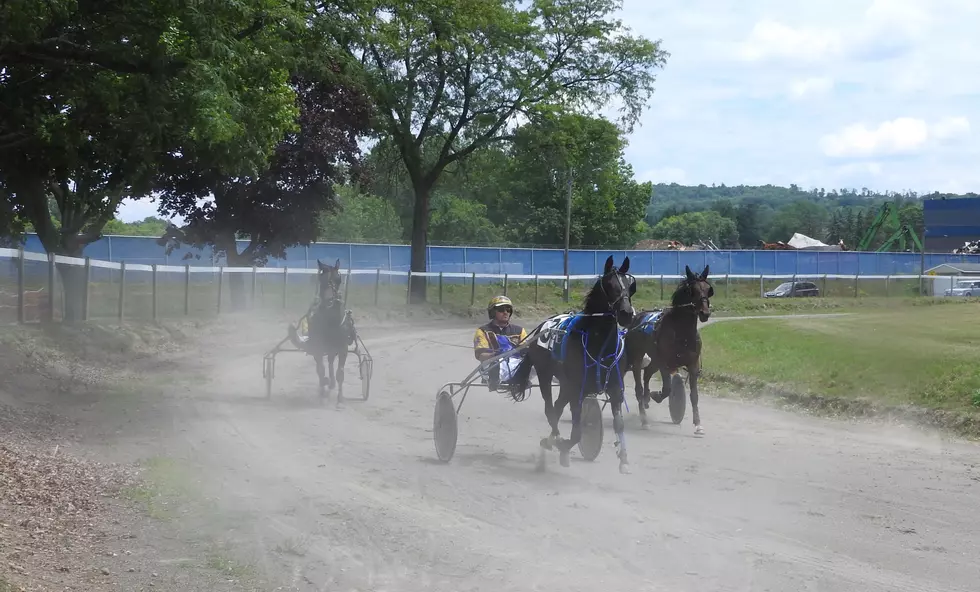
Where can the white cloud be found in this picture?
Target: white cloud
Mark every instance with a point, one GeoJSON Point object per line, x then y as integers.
{"type": "Point", "coordinates": [951, 128]}
{"type": "Point", "coordinates": [663, 175]}
{"type": "Point", "coordinates": [772, 39]}
{"type": "Point", "coordinates": [817, 85]}
{"type": "Point", "coordinates": [745, 99]}
{"type": "Point", "coordinates": [901, 135]}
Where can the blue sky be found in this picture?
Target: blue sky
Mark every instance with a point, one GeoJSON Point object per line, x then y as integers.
{"type": "Point", "coordinates": [883, 94]}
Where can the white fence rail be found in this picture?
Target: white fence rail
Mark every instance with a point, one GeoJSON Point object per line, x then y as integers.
{"type": "Point", "coordinates": [124, 290]}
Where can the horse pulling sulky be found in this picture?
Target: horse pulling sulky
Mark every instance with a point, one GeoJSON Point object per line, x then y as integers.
{"type": "Point", "coordinates": [583, 351]}
{"type": "Point", "coordinates": [326, 331]}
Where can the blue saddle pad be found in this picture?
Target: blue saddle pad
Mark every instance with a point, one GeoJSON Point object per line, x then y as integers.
{"type": "Point", "coordinates": [647, 323]}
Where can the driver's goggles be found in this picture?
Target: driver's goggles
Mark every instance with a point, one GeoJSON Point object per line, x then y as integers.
{"type": "Point", "coordinates": [503, 308]}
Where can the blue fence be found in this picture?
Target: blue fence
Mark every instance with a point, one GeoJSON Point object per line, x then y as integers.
{"type": "Point", "coordinates": [144, 250]}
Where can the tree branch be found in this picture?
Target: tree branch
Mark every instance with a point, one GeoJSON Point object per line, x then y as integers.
{"type": "Point", "coordinates": [440, 88]}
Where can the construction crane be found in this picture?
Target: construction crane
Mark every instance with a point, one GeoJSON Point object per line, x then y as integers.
{"type": "Point", "coordinates": [888, 211]}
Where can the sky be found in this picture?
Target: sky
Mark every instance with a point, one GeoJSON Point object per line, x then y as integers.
{"type": "Point", "coordinates": [877, 94]}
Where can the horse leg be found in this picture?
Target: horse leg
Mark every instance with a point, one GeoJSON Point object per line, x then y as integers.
{"type": "Point", "coordinates": [331, 381]}
{"type": "Point", "coordinates": [647, 375]}
{"type": "Point", "coordinates": [341, 361]}
{"type": "Point", "coordinates": [641, 393]}
{"type": "Point", "coordinates": [565, 446]}
{"type": "Point", "coordinates": [665, 389]}
{"type": "Point", "coordinates": [547, 443]}
{"type": "Point", "coordinates": [619, 426]}
{"type": "Point", "coordinates": [321, 373]}
{"type": "Point", "coordinates": [693, 371]}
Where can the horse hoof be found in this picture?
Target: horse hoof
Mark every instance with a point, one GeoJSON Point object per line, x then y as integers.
{"type": "Point", "coordinates": [546, 443]}
{"type": "Point", "coordinates": [624, 468]}
{"type": "Point", "coordinates": [698, 430]}
{"type": "Point", "coordinates": [563, 457]}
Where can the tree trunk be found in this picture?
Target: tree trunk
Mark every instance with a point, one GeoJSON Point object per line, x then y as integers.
{"type": "Point", "coordinates": [420, 240]}
{"type": "Point", "coordinates": [73, 288]}
{"type": "Point", "coordinates": [236, 281]}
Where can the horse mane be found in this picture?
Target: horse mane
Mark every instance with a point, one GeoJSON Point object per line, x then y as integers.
{"type": "Point", "coordinates": [682, 295]}
{"type": "Point", "coordinates": [593, 298]}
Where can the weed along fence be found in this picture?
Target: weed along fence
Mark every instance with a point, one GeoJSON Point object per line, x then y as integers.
{"type": "Point", "coordinates": [37, 287]}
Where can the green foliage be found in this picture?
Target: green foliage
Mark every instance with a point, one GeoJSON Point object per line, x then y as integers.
{"type": "Point", "coordinates": [150, 226]}
{"type": "Point", "coordinates": [455, 219]}
{"type": "Point", "coordinates": [522, 188]}
{"type": "Point", "coordinates": [694, 227]}
{"type": "Point", "coordinates": [360, 218]}
{"type": "Point", "coordinates": [773, 213]}
{"type": "Point", "coordinates": [87, 117]}
{"type": "Point", "coordinates": [450, 76]}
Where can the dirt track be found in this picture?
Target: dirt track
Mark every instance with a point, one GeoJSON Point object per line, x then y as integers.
{"type": "Point", "coordinates": [767, 500]}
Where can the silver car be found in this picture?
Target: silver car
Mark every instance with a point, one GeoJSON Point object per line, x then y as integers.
{"type": "Point", "coordinates": [965, 288]}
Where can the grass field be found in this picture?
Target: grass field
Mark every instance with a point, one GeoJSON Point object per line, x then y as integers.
{"type": "Point", "coordinates": [925, 355]}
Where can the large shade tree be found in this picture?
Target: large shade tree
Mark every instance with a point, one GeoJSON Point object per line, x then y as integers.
{"type": "Point", "coordinates": [95, 93]}
{"type": "Point", "coordinates": [452, 76]}
{"type": "Point", "coordinates": [276, 207]}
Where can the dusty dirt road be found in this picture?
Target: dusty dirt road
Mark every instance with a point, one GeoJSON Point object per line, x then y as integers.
{"type": "Point", "coordinates": [354, 499]}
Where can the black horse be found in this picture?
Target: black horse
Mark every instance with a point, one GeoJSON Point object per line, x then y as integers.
{"type": "Point", "coordinates": [584, 351]}
{"type": "Point", "coordinates": [331, 330]}
{"type": "Point", "coordinates": [671, 340]}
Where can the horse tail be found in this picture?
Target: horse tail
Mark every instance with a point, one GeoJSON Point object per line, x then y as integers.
{"type": "Point", "coordinates": [521, 378]}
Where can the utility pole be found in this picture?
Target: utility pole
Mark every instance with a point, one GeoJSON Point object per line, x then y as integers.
{"type": "Point", "coordinates": [568, 226]}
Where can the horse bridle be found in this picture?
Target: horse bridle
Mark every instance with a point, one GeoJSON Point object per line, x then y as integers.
{"type": "Point", "coordinates": [631, 289]}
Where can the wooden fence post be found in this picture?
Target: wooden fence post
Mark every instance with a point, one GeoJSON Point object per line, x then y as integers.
{"type": "Point", "coordinates": [377, 285]}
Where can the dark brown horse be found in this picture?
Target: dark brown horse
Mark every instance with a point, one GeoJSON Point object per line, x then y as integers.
{"type": "Point", "coordinates": [331, 330]}
{"type": "Point", "coordinates": [671, 340]}
{"type": "Point", "coordinates": [586, 354]}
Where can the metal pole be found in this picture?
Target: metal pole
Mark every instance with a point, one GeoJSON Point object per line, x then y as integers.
{"type": "Point", "coordinates": [568, 227]}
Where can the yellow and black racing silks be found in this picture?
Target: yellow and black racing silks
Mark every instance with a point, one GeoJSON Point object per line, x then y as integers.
{"type": "Point", "coordinates": [487, 338]}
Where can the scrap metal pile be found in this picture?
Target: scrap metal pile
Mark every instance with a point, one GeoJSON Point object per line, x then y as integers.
{"type": "Point", "coordinates": [968, 248]}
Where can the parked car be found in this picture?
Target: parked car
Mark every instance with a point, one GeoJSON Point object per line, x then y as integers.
{"type": "Point", "coordinates": [965, 288]}
{"type": "Point", "coordinates": [786, 290]}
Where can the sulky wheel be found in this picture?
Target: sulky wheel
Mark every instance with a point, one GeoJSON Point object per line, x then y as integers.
{"type": "Point", "coordinates": [444, 427]}
{"type": "Point", "coordinates": [678, 399]}
{"type": "Point", "coordinates": [365, 368]}
{"type": "Point", "coordinates": [591, 443]}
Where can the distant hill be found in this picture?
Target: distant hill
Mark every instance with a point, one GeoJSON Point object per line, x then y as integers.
{"type": "Point", "coordinates": [771, 213]}
{"type": "Point", "coordinates": [700, 197]}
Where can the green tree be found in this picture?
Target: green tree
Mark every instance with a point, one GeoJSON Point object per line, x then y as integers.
{"type": "Point", "coordinates": [150, 226]}
{"type": "Point", "coordinates": [94, 94]}
{"type": "Point", "coordinates": [694, 227]}
{"type": "Point", "coordinates": [450, 76]}
{"type": "Point", "coordinates": [460, 221]}
{"type": "Point", "coordinates": [360, 218]}
{"type": "Point", "coordinates": [607, 203]}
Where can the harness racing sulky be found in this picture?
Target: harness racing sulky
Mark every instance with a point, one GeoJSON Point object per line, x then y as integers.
{"type": "Point", "coordinates": [326, 331]}
{"type": "Point", "coordinates": [583, 351]}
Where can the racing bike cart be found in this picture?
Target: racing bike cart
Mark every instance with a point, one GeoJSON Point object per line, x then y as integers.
{"type": "Point", "coordinates": [445, 424]}
{"type": "Point", "coordinates": [299, 334]}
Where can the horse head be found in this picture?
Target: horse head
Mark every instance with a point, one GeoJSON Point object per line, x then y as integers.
{"type": "Point", "coordinates": [695, 291]}
{"type": "Point", "coordinates": [330, 281]}
{"type": "Point", "coordinates": [613, 292]}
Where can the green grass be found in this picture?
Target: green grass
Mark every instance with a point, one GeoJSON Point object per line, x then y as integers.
{"type": "Point", "coordinates": [164, 486]}
{"type": "Point", "coordinates": [926, 355]}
